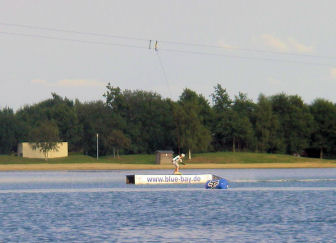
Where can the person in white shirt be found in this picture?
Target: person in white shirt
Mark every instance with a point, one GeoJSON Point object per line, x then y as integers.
{"type": "Point", "coordinates": [176, 161]}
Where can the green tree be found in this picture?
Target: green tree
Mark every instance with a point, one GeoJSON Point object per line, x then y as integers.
{"type": "Point", "coordinates": [190, 116]}
{"type": "Point", "coordinates": [267, 127]}
{"type": "Point", "coordinates": [324, 133]}
{"type": "Point", "coordinates": [11, 131]}
{"type": "Point", "coordinates": [243, 105]}
{"type": "Point", "coordinates": [233, 125]}
{"type": "Point", "coordinates": [233, 130]}
{"type": "Point", "coordinates": [243, 109]}
{"type": "Point", "coordinates": [95, 117]}
{"type": "Point", "coordinates": [115, 99]}
{"type": "Point", "coordinates": [148, 118]}
{"type": "Point", "coordinates": [62, 111]}
{"type": "Point", "coordinates": [222, 107]}
{"type": "Point", "coordinates": [296, 121]}
{"type": "Point", "coordinates": [263, 115]}
{"type": "Point", "coordinates": [221, 99]}
{"type": "Point", "coordinates": [242, 132]}
{"type": "Point", "coordinates": [115, 140]}
{"type": "Point", "coordinates": [45, 137]}
{"type": "Point", "coordinates": [70, 129]}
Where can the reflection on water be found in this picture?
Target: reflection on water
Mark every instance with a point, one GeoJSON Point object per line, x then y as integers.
{"type": "Point", "coordinates": [262, 205]}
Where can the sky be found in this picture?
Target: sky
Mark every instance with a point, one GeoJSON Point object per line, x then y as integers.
{"type": "Point", "coordinates": [74, 48]}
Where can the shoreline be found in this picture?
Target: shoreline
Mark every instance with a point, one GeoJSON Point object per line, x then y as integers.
{"type": "Point", "coordinates": [110, 166]}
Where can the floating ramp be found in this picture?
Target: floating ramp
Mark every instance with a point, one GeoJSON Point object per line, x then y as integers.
{"type": "Point", "coordinates": [169, 179]}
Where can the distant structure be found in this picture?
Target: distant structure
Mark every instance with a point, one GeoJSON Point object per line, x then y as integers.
{"type": "Point", "coordinates": [164, 157]}
{"type": "Point", "coordinates": [26, 150]}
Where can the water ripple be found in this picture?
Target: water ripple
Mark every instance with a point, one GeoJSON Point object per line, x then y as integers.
{"type": "Point", "coordinates": [100, 207]}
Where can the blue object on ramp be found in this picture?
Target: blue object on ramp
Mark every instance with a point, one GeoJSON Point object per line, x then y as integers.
{"type": "Point", "coordinates": [217, 184]}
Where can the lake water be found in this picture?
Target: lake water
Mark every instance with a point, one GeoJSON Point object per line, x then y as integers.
{"type": "Point", "coordinates": [262, 205]}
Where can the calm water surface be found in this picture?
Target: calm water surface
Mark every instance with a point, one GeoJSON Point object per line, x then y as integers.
{"type": "Point", "coordinates": [264, 205]}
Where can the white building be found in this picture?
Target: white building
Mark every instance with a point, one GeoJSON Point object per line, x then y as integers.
{"type": "Point", "coordinates": [26, 150]}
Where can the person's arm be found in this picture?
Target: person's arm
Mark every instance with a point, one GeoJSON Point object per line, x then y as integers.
{"type": "Point", "coordinates": [181, 161]}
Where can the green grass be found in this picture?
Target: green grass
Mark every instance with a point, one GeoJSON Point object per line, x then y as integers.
{"type": "Point", "coordinates": [80, 158]}
{"type": "Point", "coordinates": [218, 157]}
{"type": "Point", "coordinates": [246, 157]}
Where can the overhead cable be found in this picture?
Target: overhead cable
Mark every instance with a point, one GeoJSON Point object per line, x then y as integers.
{"type": "Point", "coordinates": [166, 49]}
{"type": "Point", "coordinates": [188, 44]}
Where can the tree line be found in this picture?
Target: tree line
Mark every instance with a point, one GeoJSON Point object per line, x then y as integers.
{"type": "Point", "coordinates": [137, 121]}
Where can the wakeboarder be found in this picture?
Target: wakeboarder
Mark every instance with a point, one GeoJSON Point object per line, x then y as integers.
{"type": "Point", "coordinates": [176, 161]}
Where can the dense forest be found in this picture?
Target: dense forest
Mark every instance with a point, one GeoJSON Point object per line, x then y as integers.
{"type": "Point", "coordinates": [142, 122]}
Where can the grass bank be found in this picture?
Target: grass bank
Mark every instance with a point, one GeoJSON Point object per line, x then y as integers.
{"type": "Point", "coordinates": [141, 161]}
{"type": "Point", "coordinates": [81, 159]}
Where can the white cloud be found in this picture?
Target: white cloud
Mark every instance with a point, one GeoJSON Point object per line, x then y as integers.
{"type": "Point", "coordinates": [225, 45]}
{"type": "Point", "coordinates": [274, 81]}
{"type": "Point", "coordinates": [299, 47]}
{"type": "Point", "coordinates": [333, 73]}
{"type": "Point", "coordinates": [288, 45]}
{"type": "Point", "coordinates": [274, 42]}
{"type": "Point", "coordinates": [39, 81]}
{"type": "Point", "coordinates": [79, 83]}
{"type": "Point", "coordinates": [70, 83]}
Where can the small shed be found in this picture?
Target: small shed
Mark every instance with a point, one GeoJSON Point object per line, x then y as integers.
{"type": "Point", "coordinates": [26, 150]}
{"type": "Point", "coordinates": [164, 157]}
